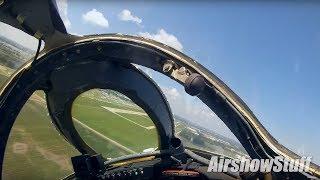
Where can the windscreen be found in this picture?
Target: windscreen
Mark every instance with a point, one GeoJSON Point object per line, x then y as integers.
{"type": "Point", "coordinates": [196, 124]}
{"type": "Point", "coordinates": [270, 60]}
{"type": "Point", "coordinates": [267, 52]}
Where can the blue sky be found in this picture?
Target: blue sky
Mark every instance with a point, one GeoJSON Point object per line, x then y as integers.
{"type": "Point", "coordinates": [268, 53]}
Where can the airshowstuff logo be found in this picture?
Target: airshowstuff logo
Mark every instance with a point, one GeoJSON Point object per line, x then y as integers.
{"type": "Point", "coordinates": [244, 164]}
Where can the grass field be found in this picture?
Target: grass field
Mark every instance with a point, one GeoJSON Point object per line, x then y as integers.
{"type": "Point", "coordinates": [119, 124]}
{"type": "Point", "coordinates": [35, 150]}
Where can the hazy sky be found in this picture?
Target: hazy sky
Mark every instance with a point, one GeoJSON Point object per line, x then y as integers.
{"type": "Point", "coordinates": [268, 53]}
